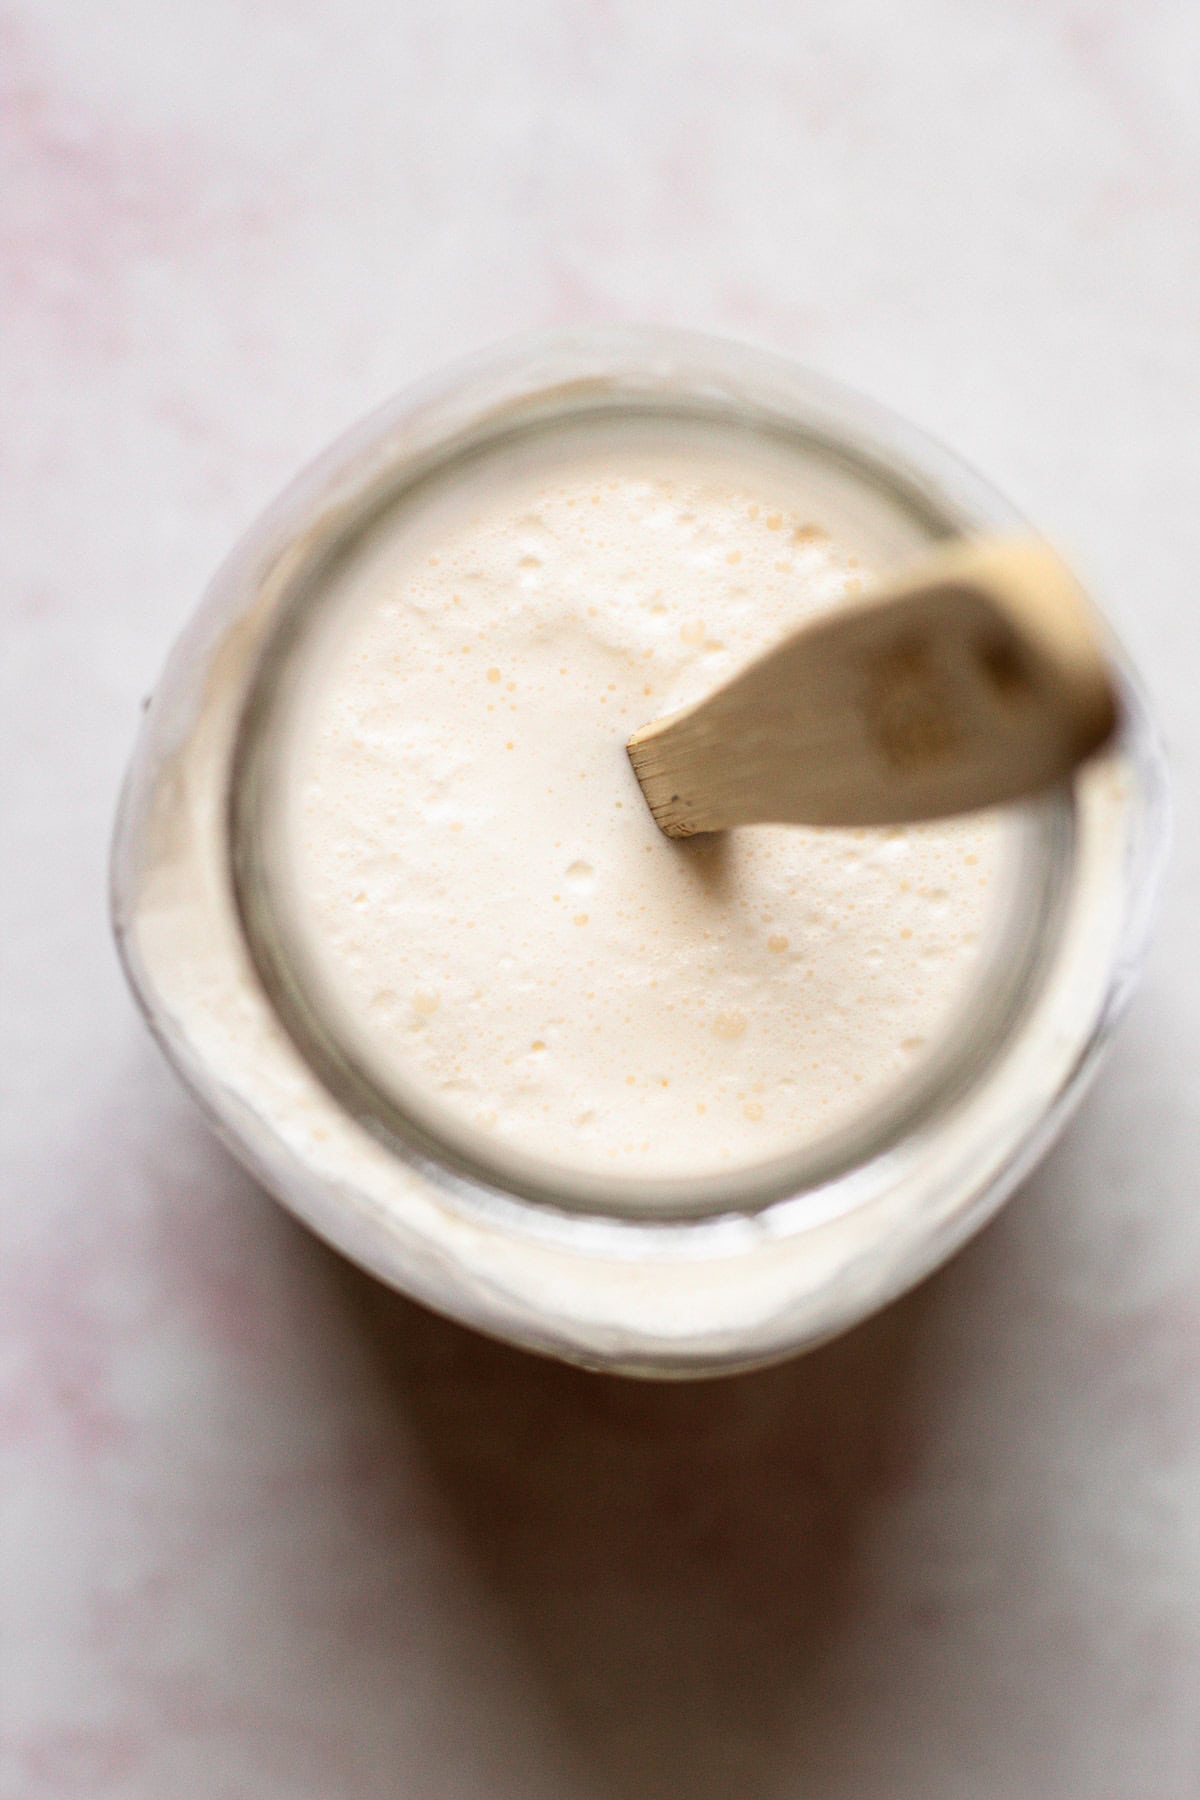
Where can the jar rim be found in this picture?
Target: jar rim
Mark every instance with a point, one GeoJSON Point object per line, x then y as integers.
{"type": "Point", "coordinates": [634, 384]}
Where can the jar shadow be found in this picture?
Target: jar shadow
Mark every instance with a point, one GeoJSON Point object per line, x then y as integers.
{"type": "Point", "coordinates": [675, 1561]}
{"type": "Point", "coordinates": [864, 1571]}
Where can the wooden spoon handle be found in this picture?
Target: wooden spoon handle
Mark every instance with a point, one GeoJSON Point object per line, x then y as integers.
{"type": "Point", "coordinates": [977, 678]}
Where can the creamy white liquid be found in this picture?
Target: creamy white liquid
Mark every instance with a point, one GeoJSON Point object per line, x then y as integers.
{"type": "Point", "coordinates": [478, 880]}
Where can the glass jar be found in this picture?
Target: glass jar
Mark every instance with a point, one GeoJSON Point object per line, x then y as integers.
{"type": "Point", "coordinates": [664, 1277]}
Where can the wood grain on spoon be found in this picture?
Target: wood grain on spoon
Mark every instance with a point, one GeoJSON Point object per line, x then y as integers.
{"type": "Point", "coordinates": [977, 677]}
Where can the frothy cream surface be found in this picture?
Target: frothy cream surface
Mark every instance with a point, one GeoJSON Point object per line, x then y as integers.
{"type": "Point", "coordinates": [480, 883]}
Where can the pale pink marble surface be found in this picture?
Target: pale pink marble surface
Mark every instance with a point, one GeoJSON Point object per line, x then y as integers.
{"type": "Point", "coordinates": [270, 1533]}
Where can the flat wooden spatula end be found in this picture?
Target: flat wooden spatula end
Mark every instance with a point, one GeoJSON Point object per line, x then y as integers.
{"type": "Point", "coordinates": [973, 680]}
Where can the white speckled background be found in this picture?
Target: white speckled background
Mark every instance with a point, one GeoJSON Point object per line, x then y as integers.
{"type": "Point", "coordinates": [270, 1533]}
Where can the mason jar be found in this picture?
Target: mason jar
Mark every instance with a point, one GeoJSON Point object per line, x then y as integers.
{"type": "Point", "coordinates": [672, 1276]}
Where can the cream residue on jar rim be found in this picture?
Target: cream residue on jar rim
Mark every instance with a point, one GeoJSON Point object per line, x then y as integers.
{"type": "Point", "coordinates": [481, 889]}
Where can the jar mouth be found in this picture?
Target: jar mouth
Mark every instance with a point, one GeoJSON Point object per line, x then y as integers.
{"type": "Point", "coordinates": [758, 398]}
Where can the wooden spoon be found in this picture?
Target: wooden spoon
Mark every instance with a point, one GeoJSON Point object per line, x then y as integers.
{"type": "Point", "coordinates": [976, 678]}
